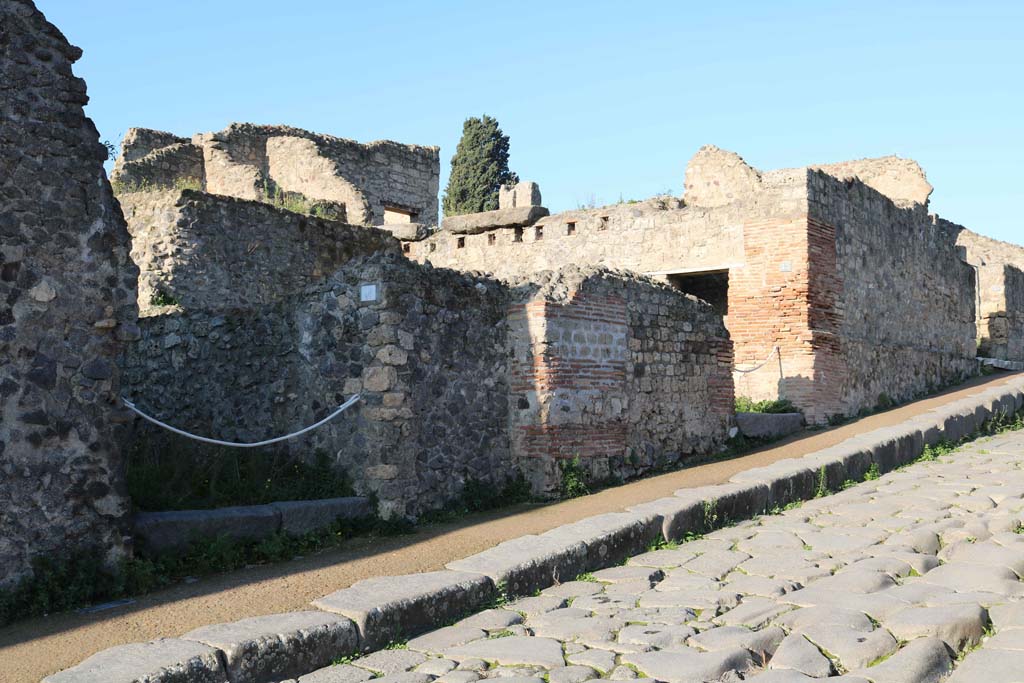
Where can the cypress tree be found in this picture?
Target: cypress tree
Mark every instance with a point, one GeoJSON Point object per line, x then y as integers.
{"type": "Point", "coordinates": [479, 168]}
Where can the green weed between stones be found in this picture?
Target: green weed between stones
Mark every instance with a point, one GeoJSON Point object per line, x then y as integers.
{"type": "Point", "coordinates": [574, 479]}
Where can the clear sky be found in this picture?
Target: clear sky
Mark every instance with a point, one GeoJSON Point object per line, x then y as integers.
{"type": "Point", "coordinates": [602, 100]}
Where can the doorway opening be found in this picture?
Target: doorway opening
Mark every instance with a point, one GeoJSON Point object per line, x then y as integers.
{"type": "Point", "coordinates": [711, 286]}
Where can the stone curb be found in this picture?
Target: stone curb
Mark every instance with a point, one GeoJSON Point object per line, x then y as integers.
{"type": "Point", "coordinates": [173, 530]}
{"type": "Point", "coordinates": [372, 613]}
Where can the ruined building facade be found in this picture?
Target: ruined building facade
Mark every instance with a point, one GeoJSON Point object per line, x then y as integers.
{"type": "Point", "coordinates": [852, 296]}
{"type": "Point", "coordinates": [378, 183]}
{"type": "Point", "coordinates": [67, 307]}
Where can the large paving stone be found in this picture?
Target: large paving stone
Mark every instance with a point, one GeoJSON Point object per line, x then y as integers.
{"type": "Point", "coordinates": [512, 650]}
{"type": "Point", "coordinates": [726, 504]}
{"type": "Point", "coordinates": [393, 608]}
{"type": "Point", "coordinates": [689, 666]}
{"type": "Point", "coordinates": [958, 576]}
{"type": "Point", "coordinates": [853, 648]}
{"type": "Point", "coordinates": [167, 660]}
{"type": "Point", "coordinates": [390, 662]}
{"type": "Point", "coordinates": [278, 646]}
{"type": "Point", "coordinates": [529, 563]}
{"type": "Point", "coordinates": [451, 636]}
{"type": "Point", "coordinates": [799, 654]}
{"type": "Point", "coordinates": [924, 660]}
{"type": "Point", "coordinates": [342, 673]}
{"type": "Point", "coordinates": [989, 666]}
{"type": "Point", "coordinates": [761, 643]}
{"type": "Point", "coordinates": [958, 626]}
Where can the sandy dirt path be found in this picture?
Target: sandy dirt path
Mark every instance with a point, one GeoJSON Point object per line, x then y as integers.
{"type": "Point", "coordinates": [32, 649]}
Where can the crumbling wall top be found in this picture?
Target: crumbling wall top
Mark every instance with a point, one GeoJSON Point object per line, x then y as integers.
{"type": "Point", "coordinates": [716, 177]}
{"type": "Point", "coordinates": [901, 180]}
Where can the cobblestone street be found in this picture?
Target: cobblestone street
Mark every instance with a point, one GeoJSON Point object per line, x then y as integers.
{"type": "Point", "coordinates": [899, 579]}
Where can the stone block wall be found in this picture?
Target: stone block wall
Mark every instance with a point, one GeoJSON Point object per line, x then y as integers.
{"type": "Point", "coordinates": [209, 252]}
{"type": "Point", "coordinates": [427, 354]}
{"type": "Point", "coordinates": [999, 272]}
{"type": "Point", "coordinates": [903, 301]}
{"type": "Point", "coordinates": [249, 161]}
{"type": "Point", "coordinates": [621, 372]}
{"type": "Point", "coordinates": [67, 304]}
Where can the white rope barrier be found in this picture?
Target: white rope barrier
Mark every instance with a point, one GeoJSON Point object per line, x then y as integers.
{"type": "Point", "coordinates": [233, 444]}
{"type": "Point", "coordinates": [774, 350]}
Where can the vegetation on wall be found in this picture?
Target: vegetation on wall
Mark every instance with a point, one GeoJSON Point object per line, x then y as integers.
{"type": "Point", "coordinates": [479, 168]}
{"type": "Point", "coordinates": [745, 404]}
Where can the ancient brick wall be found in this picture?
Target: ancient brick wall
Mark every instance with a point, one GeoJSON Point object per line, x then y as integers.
{"type": "Point", "coordinates": [624, 373]}
{"type": "Point", "coordinates": [67, 303]}
{"type": "Point", "coordinates": [209, 252]}
{"type": "Point", "coordinates": [249, 161]}
{"type": "Point", "coordinates": [999, 272]}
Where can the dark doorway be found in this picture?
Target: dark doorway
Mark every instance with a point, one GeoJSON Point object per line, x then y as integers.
{"type": "Point", "coordinates": [712, 286]}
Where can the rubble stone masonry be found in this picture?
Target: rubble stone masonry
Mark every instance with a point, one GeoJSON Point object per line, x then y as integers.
{"type": "Point", "coordinates": [67, 304]}
{"type": "Point", "coordinates": [999, 270]}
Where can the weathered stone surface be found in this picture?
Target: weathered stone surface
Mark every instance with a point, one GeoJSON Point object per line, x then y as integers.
{"type": "Point", "coordinates": [523, 193]}
{"type": "Point", "coordinates": [534, 651]}
{"type": "Point", "coordinates": [444, 638]}
{"type": "Point", "coordinates": [269, 648]}
{"type": "Point", "coordinates": [390, 662]}
{"type": "Point", "coordinates": [370, 184]}
{"type": "Point", "coordinates": [689, 666]}
{"type": "Point", "coordinates": [769, 425]}
{"type": "Point", "coordinates": [797, 653]}
{"type": "Point", "coordinates": [923, 660]}
{"type": "Point", "coordinates": [160, 532]}
{"type": "Point", "coordinates": [958, 626]}
{"type": "Point", "coordinates": [342, 673]}
{"type": "Point", "coordinates": [393, 608]}
{"type": "Point", "coordinates": [166, 660]}
{"type": "Point", "coordinates": [302, 516]}
{"type": "Point", "coordinates": [609, 538]}
{"type": "Point", "coordinates": [67, 298]}
{"type": "Point", "coordinates": [527, 563]}
{"type": "Point", "coordinates": [474, 223]}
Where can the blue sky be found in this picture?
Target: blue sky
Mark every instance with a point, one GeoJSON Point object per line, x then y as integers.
{"type": "Point", "coordinates": [602, 100]}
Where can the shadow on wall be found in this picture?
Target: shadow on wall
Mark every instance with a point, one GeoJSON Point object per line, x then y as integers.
{"type": "Point", "coordinates": [1001, 332]}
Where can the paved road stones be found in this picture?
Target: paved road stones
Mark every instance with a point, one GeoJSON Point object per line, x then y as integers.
{"type": "Point", "coordinates": [877, 584]}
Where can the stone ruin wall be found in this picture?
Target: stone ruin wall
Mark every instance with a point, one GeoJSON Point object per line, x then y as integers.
{"type": "Point", "coordinates": [624, 373]}
{"type": "Point", "coordinates": [246, 161]}
{"type": "Point", "coordinates": [427, 358]}
{"type": "Point", "coordinates": [999, 271]}
{"type": "Point", "coordinates": [791, 276]}
{"type": "Point", "coordinates": [897, 319]}
{"type": "Point", "coordinates": [67, 305]}
{"type": "Point", "coordinates": [210, 252]}
{"type": "Point", "coordinates": [432, 359]}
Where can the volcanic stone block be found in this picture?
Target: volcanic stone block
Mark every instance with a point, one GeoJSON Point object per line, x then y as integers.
{"type": "Point", "coordinates": [678, 516]}
{"type": "Point", "coordinates": [167, 660]}
{"type": "Point", "coordinates": [526, 564]}
{"type": "Point", "coordinates": [302, 516]}
{"type": "Point", "coordinates": [392, 608]}
{"type": "Point", "coordinates": [278, 646]}
{"type": "Point", "coordinates": [161, 532]}
{"type": "Point", "coordinates": [473, 223]}
{"type": "Point", "coordinates": [769, 425]}
{"type": "Point", "coordinates": [610, 538]}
